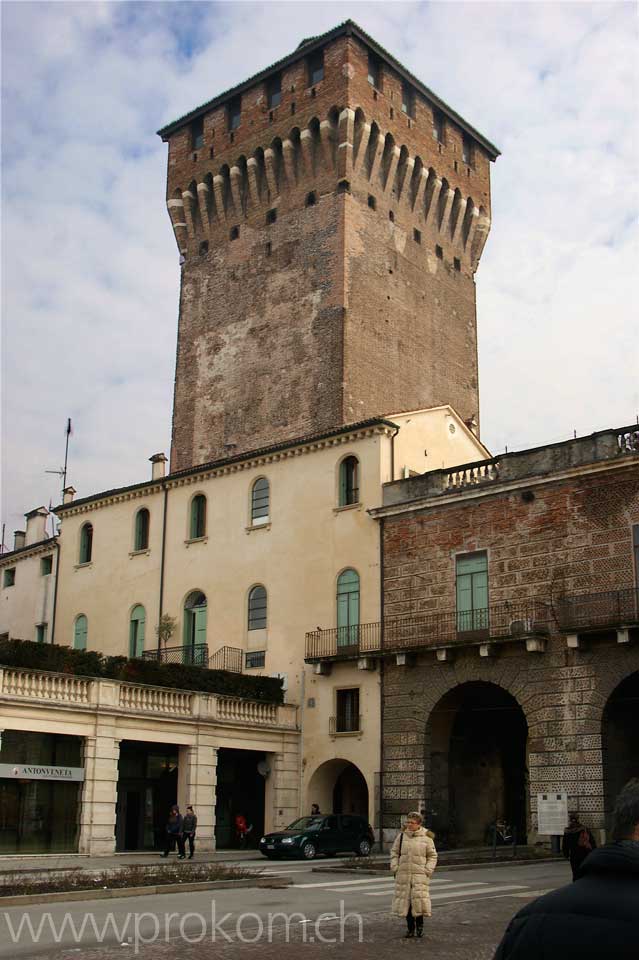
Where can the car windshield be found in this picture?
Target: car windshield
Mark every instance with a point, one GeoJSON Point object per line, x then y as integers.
{"type": "Point", "coordinates": [305, 823]}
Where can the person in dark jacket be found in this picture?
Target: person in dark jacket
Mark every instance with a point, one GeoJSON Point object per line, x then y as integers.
{"type": "Point", "coordinates": [174, 833]}
{"type": "Point", "coordinates": [189, 826]}
{"type": "Point", "coordinates": [577, 843]}
{"type": "Point", "coordinates": [595, 917]}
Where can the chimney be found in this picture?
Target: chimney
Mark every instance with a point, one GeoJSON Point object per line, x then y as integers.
{"type": "Point", "coordinates": [158, 469]}
{"type": "Point", "coordinates": [68, 494]}
{"type": "Point", "coordinates": [36, 525]}
{"type": "Point", "coordinates": [18, 539]}
{"type": "Point", "coordinates": [471, 423]}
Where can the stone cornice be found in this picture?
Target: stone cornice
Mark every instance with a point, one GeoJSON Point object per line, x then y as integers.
{"type": "Point", "coordinates": [32, 550]}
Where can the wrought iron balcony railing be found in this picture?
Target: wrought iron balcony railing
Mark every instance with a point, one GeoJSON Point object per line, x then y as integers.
{"type": "Point", "coordinates": [589, 612]}
{"type": "Point", "coordinates": [515, 619]}
{"type": "Point", "coordinates": [345, 723]}
{"type": "Point", "coordinates": [195, 655]}
{"type": "Point", "coordinates": [227, 658]}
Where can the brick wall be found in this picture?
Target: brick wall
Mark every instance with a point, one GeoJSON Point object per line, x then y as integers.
{"type": "Point", "coordinates": [333, 312]}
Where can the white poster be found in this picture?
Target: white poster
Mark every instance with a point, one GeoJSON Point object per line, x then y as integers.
{"type": "Point", "coordinates": [552, 813]}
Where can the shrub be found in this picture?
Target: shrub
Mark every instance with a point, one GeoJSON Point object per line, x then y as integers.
{"type": "Point", "coordinates": [89, 663]}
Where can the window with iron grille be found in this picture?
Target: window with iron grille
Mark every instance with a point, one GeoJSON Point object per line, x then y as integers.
{"type": "Point", "coordinates": [315, 68]}
{"type": "Point", "coordinates": [274, 91]}
{"type": "Point", "coordinates": [349, 481]}
{"type": "Point", "coordinates": [255, 659]}
{"type": "Point", "coordinates": [197, 526]}
{"type": "Point", "coordinates": [86, 543]}
{"type": "Point", "coordinates": [260, 501]}
{"type": "Point", "coordinates": [142, 518]}
{"type": "Point", "coordinates": [347, 711]}
{"type": "Point", "coordinates": [257, 608]}
{"type": "Point", "coordinates": [234, 113]}
{"type": "Point", "coordinates": [197, 133]}
{"type": "Point", "coordinates": [374, 71]}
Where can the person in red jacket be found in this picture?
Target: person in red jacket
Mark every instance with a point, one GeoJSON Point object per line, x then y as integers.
{"type": "Point", "coordinates": [241, 830]}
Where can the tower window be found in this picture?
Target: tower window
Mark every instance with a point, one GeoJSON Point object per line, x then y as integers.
{"type": "Point", "coordinates": [374, 70]}
{"type": "Point", "coordinates": [467, 149]}
{"type": "Point", "coordinates": [197, 133]}
{"type": "Point", "coordinates": [271, 216]}
{"type": "Point", "coordinates": [391, 216]}
{"type": "Point", "coordinates": [293, 108]}
{"type": "Point", "coordinates": [315, 65]}
{"type": "Point", "coordinates": [457, 263]}
{"type": "Point", "coordinates": [438, 125]}
{"type": "Point", "coordinates": [417, 235]}
{"type": "Point", "coordinates": [234, 234]}
{"type": "Point", "coordinates": [204, 248]}
{"type": "Point", "coordinates": [439, 253]}
{"type": "Point", "coordinates": [234, 113]}
{"type": "Point", "coordinates": [311, 199]}
{"type": "Point", "coordinates": [372, 202]}
{"type": "Point", "coordinates": [268, 249]}
{"type": "Point", "coordinates": [274, 91]}
{"type": "Point", "coordinates": [344, 186]}
{"type": "Point", "coordinates": [408, 100]}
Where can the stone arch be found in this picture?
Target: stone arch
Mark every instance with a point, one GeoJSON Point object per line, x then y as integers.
{"type": "Point", "coordinates": [476, 763]}
{"type": "Point", "coordinates": [339, 786]}
{"type": "Point", "coordinates": [619, 743]}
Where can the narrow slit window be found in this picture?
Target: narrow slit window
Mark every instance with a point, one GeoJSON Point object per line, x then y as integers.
{"type": "Point", "coordinates": [274, 91]}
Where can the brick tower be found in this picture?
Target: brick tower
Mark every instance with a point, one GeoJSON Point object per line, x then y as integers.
{"type": "Point", "coordinates": [331, 212]}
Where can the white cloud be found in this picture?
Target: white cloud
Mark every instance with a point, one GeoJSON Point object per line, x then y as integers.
{"type": "Point", "coordinates": [90, 272]}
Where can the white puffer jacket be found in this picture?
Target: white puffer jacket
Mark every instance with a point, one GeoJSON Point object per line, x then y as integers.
{"type": "Point", "coordinates": [413, 870]}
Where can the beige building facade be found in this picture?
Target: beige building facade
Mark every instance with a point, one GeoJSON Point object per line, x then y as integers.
{"type": "Point", "coordinates": [27, 581]}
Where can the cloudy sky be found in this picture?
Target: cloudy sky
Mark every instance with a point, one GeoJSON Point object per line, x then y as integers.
{"type": "Point", "coordinates": [90, 275]}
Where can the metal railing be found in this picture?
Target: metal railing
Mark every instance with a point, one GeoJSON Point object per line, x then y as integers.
{"type": "Point", "coordinates": [196, 655]}
{"type": "Point", "coordinates": [501, 621]}
{"type": "Point", "coordinates": [598, 611]}
{"type": "Point", "coordinates": [345, 723]}
{"type": "Point", "coordinates": [227, 658]}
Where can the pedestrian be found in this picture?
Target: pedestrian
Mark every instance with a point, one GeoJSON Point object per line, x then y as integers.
{"type": "Point", "coordinates": [596, 916]}
{"type": "Point", "coordinates": [413, 861]}
{"type": "Point", "coordinates": [315, 809]}
{"type": "Point", "coordinates": [174, 833]}
{"type": "Point", "coordinates": [577, 843]}
{"type": "Point", "coordinates": [189, 826]}
{"type": "Point", "coordinates": [241, 830]}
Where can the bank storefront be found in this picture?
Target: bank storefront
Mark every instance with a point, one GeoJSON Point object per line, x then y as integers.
{"type": "Point", "coordinates": [41, 778]}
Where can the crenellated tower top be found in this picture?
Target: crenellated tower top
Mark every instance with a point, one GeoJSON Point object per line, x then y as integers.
{"type": "Point", "coordinates": [335, 209]}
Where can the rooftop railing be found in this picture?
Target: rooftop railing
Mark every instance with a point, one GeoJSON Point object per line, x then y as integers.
{"type": "Point", "coordinates": [195, 655]}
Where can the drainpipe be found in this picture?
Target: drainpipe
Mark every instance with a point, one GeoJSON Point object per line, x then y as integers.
{"type": "Point", "coordinates": [161, 604]}
{"type": "Point", "coordinates": [393, 435]}
{"type": "Point", "coordinates": [55, 589]}
{"type": "Point", "coordinates": [381, 687]}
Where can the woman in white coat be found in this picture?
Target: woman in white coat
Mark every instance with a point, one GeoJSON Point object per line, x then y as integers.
{"type": "Point", "coordinates": [413, 861]}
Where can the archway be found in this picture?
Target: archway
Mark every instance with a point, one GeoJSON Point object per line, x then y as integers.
{"type": "Point", "coordinates": [620, 746]}
{"type": "Point", "coordinates": [476, 735]}
{"type": "Point", "coordinates": [339, 786]}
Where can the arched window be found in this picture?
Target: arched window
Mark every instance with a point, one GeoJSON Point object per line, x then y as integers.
{"type": "Point", "coordinates": [260, 496]}
{"type": "Point", "coordinates": [142, 519]}
{"type": "Point", "coordinates": [197, 526]}
{"type": "Point", "coordinates": [136, 631]}
{"type": "Point", "coordinates": [195, 648]}
{"type": "Point", "coordinates": [86, 543]}
{"type": "Point", "coordinates": [347, 608]}
{"type": "Point", "coordinates": [348, 481]}
{"type": "Point", "coordinates": [257, 608]}
{"type": "Point", "coordinates": [80, 630]}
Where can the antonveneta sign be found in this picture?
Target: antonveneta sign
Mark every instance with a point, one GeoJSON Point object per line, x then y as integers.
{"type": "Point", "coordinates": [28, 771]}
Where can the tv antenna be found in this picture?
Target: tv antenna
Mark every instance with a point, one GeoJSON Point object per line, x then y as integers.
{"type": "Point", "coordinates": [62, 472]}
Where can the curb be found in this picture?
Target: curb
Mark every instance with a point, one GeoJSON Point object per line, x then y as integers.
{"type": "Point", "coordinates": [113, 893]}
{"type": "Point", "coordinates": [440, 866]}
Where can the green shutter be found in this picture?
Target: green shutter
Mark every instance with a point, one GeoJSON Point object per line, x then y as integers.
{"type": "Point", "coordinates": [80, 631]}
{"type": "Point", "coordinates": [136, 631]}
{"type": "Point", "coordinates": [347, 608]}
{"type": "Point", "coordinates": [472, 592]}
{"type": "Point", "coordinates": [342, 483]}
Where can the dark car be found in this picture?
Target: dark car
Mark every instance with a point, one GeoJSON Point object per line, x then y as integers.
{"type": "Point", "coordinates": [309, 836]}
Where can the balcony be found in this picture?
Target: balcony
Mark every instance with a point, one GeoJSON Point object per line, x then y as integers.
{"type": "Point", "coordinates": [510, 620]}
{"type": "Point", "coordinates": [344, 723]}
{"type": "Point", "coordinates": [227, 658]}
{"type": "Point", "coordinates": [195, 655]}
{"type": "Point", "coordinates": [592, 612]}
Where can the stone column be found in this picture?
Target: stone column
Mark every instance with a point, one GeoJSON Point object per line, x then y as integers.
{"type": "Point", "coordinates": [197, 786]}
{"type": "Point", "coordinates": [282, 793]}
{"type": "Point", "coordinates": [99, 793]}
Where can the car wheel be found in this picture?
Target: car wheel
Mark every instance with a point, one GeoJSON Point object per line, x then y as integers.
{"type": "Point", "coordinates": [309, 851]}
{"type": "Point", "coordinates": [364, 848]}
